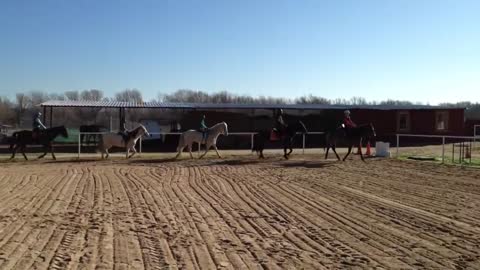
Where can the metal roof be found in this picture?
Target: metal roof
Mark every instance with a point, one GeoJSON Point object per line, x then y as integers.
{"type": "Point", "coordinates": [168, 105]}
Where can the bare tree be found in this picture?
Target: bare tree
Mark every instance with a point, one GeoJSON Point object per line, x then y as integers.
{"type": "Point", "coordinates": [358, 101]}
{"type": "Point", "coordinates": [38, 97]}
{"type": "Point", "coordinates": [7, 113]}
{"type": "Point", "coordinates": [23, 102]}
{"type": "Point", "coordinates": [91, 95]}
{"type": "Point", "coordinates": [311, 99]}
{"type": "Point", "coordinates": [129, 95]}
{"type": "Point", "coordinates": [72, 95]}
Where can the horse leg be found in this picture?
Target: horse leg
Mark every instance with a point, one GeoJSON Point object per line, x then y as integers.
{"type": "Point", "coordinates": [216, 150]}
{"type": "Point", "coordinates": [326, 152]}
{"type": "Point", "coordinates": [348, 153]}
{"type": "Point", "coordinates": [361, 154]}
{"type": "Point", "coordinates": [207, 147]}
{"type": "Point", "coordinates": [285, 151]}
{"type": "Point", "coordinates": [180, 150]}
{"type": "Point", "coordinates": [134, 151]}
{"type": "Point", "coordinates": [190, 150]}
{"type": "Point", "coordinates": [127, 151]}
{"type": "Point", "coordinates": [53, 154]}
{"type": "Point", "coordinates": [14, 151]}
{"type": "Point", "coordinates": [105, 150]}
{"type": "Point", "coordinates": [23, 152]}
{"type": "Point", "coordinates": [45, 152]}
{"type": "Point", "coordinates": [335, 151]}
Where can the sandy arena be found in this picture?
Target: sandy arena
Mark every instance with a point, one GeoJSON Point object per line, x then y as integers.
{"type": "Point", "coordinates": [238, 213]}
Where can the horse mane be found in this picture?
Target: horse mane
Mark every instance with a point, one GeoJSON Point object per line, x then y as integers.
{"type": "Point", "coordinates": [218, 124]}
{"type": "Point", "coordinates": [221, 123]}
{"type": "Point", "coordinates": [134, 132]}
{"type": "Point", "coordinates": [56, 128]}
{"type": "Point", "coordinates": [365, 125]}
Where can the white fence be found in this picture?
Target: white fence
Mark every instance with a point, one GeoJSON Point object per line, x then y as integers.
{"type": "Point", "coordinates": [470, 139]}
{"type": "Point", "coordinates": [249, 134]}
{"type": "Point", "coordinates": [476, 131]}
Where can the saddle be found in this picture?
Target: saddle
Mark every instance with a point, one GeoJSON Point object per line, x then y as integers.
{"type": "Point", "coordinates": [276, 135]}
{"type": "Point", "coordinates": [36, 135]}
{"type": "Point", "coordinates": [126, 135]}
{"type": "Point", "coordinates": [204, 134]}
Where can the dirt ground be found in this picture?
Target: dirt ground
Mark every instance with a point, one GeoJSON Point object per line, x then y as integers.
{"type": "Point", "coordinates": [238, 213]}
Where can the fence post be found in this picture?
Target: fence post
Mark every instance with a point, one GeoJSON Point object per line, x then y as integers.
{"type": "Point", "coordinates": [251, 141]}
{"type": "Point", "coordinates": [398, 144]}
{"type": "Point", "coordinates": [79, 144]}
{"type": "Point", "coordinates": [303, 144]}
{"type": "Point", "coordinates": [443, 150]}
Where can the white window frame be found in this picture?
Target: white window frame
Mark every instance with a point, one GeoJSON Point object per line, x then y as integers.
{"type": "Point", "coordinates": [408, 121]}
{"type": "Point", "coordinates": [445, 121]}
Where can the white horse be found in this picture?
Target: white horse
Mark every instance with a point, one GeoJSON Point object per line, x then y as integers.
{"type": "Point", "coordinates": [113, 139]}
{"type": "Point", "coordinates": [190, 136]}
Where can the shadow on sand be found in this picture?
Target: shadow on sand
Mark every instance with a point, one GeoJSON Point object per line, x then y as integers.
{"type": "Point", "coordinates": [307, 164]}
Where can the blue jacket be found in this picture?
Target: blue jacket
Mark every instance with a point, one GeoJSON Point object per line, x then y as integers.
{"type": "Point", "coordinates": [203, 125]}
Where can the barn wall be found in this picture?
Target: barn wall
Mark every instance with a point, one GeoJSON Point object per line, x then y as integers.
{"type": "Point", "coordinates": [385, 121]}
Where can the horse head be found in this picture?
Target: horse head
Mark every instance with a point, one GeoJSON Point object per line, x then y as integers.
{"type": "Point", "coordinates": [372, 130]}
{"type": "Point", "coordinates": [142, 131]}
{"type": "Point", "coordinates": [225, 129]}
{"type": "Point", "coordinates": [301, 127]}
{"type": "Point", "coordinates": [63, 132]}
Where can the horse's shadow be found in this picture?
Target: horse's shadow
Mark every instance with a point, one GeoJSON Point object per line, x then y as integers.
{"type": "Point", "coordinates": [306, 164]}
{"type": "Point", "coordinates": [153, 161]}
{"type": "Point", "coordinates": [236, 162]}
{"type": "Point", "coordinates": [57, 161]}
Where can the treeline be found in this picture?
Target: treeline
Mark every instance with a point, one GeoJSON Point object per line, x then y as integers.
{"type": "Point", "coordinates": [18, 111]}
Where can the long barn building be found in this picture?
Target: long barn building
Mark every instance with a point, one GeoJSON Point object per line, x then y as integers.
{"type": "Point", "coordinates": [388, 120]}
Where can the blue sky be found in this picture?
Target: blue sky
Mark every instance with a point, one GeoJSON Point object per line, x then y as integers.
{"type": "Point", "coordinates": [426, 51]}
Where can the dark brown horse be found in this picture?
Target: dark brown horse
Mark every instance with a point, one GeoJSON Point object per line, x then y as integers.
{"type": "Point", "coordinates": [21, 139]}
{"type": "Point", "coordinates": [287, 139]}
{"type": "Point", "coordinates": [352, 136]}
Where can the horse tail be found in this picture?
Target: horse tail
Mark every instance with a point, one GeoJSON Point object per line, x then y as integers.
{"type": "Point", "coordinates": [327, 141]}
{"type": "Point", "coordinates": [181, 142]}
{"type": "Point", "coordinates": [100, 144]}
{"type": "Point", "coordinates": [13, 140]}
{"type": "Point", "coordinates": [257, 143]}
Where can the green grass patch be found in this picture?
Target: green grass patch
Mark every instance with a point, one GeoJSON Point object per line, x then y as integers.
{"type": "Point", "coordinates": [475, 162]}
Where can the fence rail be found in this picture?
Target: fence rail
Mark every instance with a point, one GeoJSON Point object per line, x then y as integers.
{"type": "Point", "coordinates": [251, 134]}
{"type": "Point", "coordinates": [471, 139]}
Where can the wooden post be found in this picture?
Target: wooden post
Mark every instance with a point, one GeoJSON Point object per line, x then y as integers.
{"type": "Point", "coordinates": [303, 144]}
{"type": "Point", "coordinates": [79, 143]}
{"type": "Point", "coordinates": [251, 141]}
{"type": "Point", "coordinates": [398, 143]}
{"type": "Point", "coordinates": [44, 114]}
{"type": "Point", "coordinates": [443, 150]}
{"type": "Point", "coordinates": [51, 116]}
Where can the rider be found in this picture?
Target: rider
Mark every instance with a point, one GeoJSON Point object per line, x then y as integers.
{"type": "Point", "coordinates": [347, 122]}
{"type": "Point", "coordinates": [280, 125]}
{"type": "Point", "coordinates": [37, 126]}
{"type": "Point", "coordinates": [204, 129]}
{"type": "Point", "coordinates": [123, 130]}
